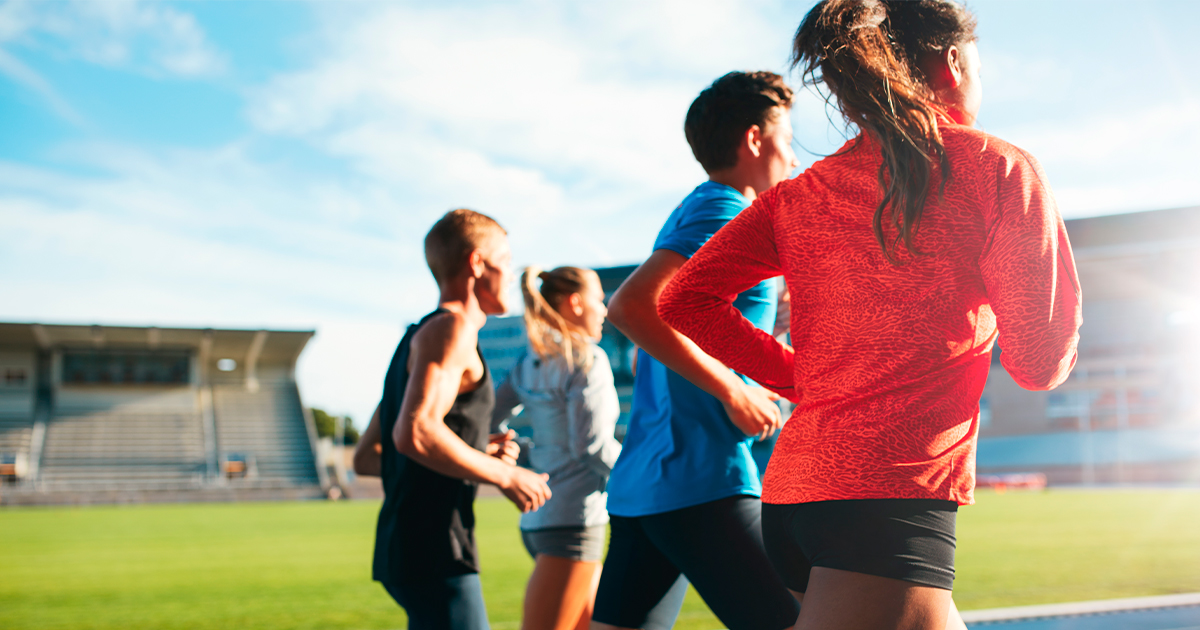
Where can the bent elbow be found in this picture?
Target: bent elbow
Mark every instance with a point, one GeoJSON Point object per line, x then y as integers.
{"type": "Point", "coordinates": [668, 308]}
{"type": "Point", "coordinates": [625, 309]}
{"type": "Point", "coordinates": [408, 445]}
{"type": "Point", "coordinates": [360, 467]}
{"type": "Point", "coordinates": [1040, 380]}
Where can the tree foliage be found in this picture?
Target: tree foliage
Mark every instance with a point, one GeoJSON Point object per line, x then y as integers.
{"type": "Point", "coordinates": [327, 426]}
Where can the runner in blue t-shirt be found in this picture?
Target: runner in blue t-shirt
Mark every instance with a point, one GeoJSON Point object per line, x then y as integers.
{"type": "Point", "coordinates": [684, 495]}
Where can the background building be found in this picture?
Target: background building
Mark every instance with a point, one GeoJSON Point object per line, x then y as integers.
{"type": "Point", "coordinates": [503, 341]}
{"type": "Point", "coordinates": [106, 414]}
{"type": "Point", "coordinates": [1128, 413]}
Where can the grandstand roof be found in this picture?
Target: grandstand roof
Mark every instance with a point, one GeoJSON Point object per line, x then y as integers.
{"type": "Point", "coordinates": [276, 346]}
{"type": "Point", "coordinates": [1157, 226]}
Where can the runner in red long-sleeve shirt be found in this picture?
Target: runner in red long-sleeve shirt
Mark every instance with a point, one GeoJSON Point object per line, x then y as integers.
{"type": "Point", "coordinates": [901, 277]}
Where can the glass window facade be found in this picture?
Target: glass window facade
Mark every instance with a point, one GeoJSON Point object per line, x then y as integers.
{"type": "Point", "coordinates": [126, 367]}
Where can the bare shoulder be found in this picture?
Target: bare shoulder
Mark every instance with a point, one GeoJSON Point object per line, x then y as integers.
{"type": "Point", "coordinates": [445, 336]}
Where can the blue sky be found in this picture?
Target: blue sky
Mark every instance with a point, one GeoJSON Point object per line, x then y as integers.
{"type": "Point", "coordinates": [275, 164]}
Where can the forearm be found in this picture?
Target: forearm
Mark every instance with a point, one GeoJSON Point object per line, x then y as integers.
{"type": "Point", "coordinates": [368, 460]}
{"type": "Point", "coordinates": [639, 321]}
{"type": "Point", "coordinates": [433, 445]}
{"type": "Point", "coordinates": [721, 331]}
{"type": "Point", "coordinates": [368, 463]}
{"type": "Point", "coordinates": [1039, 341]}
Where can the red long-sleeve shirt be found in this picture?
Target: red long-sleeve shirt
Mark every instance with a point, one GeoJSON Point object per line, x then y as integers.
{"type": "Point", "coordinates": [889, 361]}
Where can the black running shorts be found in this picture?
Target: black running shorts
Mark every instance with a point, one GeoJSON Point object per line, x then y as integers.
{"type": "Point", "coordinates": [717, 545]}
{"type": "Point", "coordinates": [904, 539]}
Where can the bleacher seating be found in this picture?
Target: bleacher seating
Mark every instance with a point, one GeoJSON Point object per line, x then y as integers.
{"type": "Point", "coordinates": [15, 433]}
{"type": "Point", "coordinates": [265, 427]}
{"type": "Point", "coordinates": [119, 449]}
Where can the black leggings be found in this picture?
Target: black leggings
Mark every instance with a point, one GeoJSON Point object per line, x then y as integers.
{"type": "Point", "coordinates": [718, 545]}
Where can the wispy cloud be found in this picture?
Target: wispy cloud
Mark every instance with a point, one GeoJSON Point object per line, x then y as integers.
{"type": "Point", "coordinates": [213, 239]}
{"type": "Point", "coordinates": [1136, 159]}
{"type": "Point", "coordinates": [12, 67]}
{"type": "Point", "coordinates": [563, 120]}
{"type": "Point", "coordinates": [146, 37]}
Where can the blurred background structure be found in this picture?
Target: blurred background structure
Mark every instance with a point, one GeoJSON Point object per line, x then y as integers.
{"type": "Point", "coordinates": [1130, 411]}
{"type": "Point", "coordinates": [101, 414]}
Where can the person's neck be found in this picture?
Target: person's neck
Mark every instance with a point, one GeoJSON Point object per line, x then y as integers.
{"type": "Point", "coordinates": [738, 180]}
{"type": "Point", "coordinates": [459, 297]}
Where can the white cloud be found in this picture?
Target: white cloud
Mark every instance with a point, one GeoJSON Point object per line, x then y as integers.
{"type": "Point", "coordinates": [527, 110]}
{"type": "Point", "coordinates": [1139, 159]}
{"type": "Point", "coordinates": [212, 239]}
{"type": "Point", "coordinates": [143, 36]}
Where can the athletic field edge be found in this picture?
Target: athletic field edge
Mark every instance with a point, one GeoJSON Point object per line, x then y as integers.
{"type": "Point", "coordinates": [1073, 609]}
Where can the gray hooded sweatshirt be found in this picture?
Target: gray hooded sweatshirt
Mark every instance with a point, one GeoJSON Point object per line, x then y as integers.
{"type": "Point", "coordinates": [573, 414]}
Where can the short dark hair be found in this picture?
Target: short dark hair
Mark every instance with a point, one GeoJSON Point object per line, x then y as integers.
{"type": "Point", "coordinates": [452, 239]}
{"type": "Point", "coordinates": [726, 109]}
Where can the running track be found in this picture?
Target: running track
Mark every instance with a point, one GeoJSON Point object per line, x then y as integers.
{"type": "Point", "coordinates": [1170, 612]}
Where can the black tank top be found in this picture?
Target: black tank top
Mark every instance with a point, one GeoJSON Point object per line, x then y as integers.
{"type": "Point", "coordinates": [427, 523]}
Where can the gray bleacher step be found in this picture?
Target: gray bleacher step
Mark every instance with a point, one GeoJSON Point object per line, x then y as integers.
{"type": "Point", "coordinates": [269, 426]}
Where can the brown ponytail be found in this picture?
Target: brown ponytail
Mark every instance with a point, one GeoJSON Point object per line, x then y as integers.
{"type": "Point", "coordinates": [867, 52]}
{"type": "Point", "coordinates": [550, 334]}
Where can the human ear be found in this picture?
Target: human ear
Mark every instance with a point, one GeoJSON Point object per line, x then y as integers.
{"type": "Point", "coordinates": [955, 65]}
{"type": "Point", "coordinates": [754, 139]}
{"type": "Point", "coordinates": [475, 260]}
{"type": "Point", "coordinates": [942, 68]}
{"type": "Point", "coordinates": [576, 302]}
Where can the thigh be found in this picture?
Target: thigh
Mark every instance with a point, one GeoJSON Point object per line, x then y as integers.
{"type": "Point", "coordinates": [559, 593]}
{"type": "Point", "coordinates": [856, 601]}
{"type": "Point", "coordinates": [719, 547]}
{"type": "Point", "coordinates": [635, 578]}
{"type": "Point", "coordinates": [454, 603]}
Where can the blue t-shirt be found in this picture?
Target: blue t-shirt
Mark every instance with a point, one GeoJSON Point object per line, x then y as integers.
{"type": "Point", "coordinates": [681, 448]}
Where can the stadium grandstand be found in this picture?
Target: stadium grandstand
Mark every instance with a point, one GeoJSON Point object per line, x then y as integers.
{"type": "Point", "coordinates": [103, 414]}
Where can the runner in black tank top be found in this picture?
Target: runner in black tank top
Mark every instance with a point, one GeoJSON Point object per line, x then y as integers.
{"type": "Point", "coordinates": [426, 525]}
{"type": "Point", "coordinates": [429, 440]}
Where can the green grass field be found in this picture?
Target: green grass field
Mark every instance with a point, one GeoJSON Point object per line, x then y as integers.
{"type": "Point", "coordinates": [307, 565]}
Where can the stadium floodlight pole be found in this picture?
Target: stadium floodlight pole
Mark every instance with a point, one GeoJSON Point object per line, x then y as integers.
{"type": "Point", "coordinates": [339, 443]}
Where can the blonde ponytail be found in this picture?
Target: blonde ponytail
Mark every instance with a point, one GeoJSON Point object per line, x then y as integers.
{"type": "Point", "coordinates": [549, 334]}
